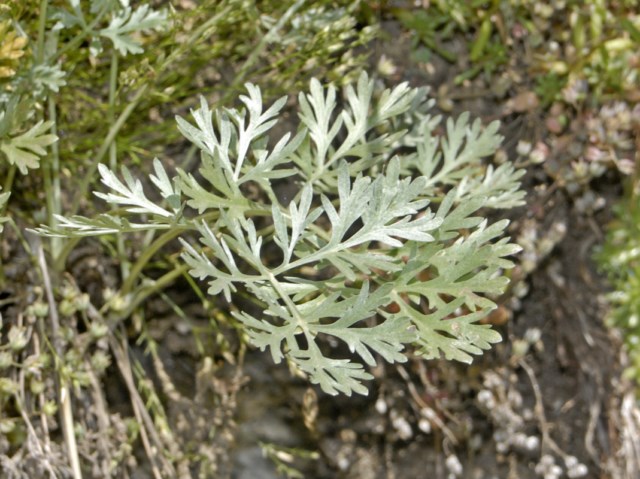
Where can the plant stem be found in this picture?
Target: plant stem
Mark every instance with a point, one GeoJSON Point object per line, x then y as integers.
{"type": "Point", "coordinates": [64, 392]}
{"type": "Point", "coordinates": [53, 172]}
{"type": "Point", "coordinates": [42, 21]}
{"type": "Point", "coordinates": [113, 155]}
{"type": "Point", "coordinates": [145, 291]}
{"type": "Point", "coordinates": [291, 306]}
{"type": "Point", "coordinates": [104, 147]}
{"type": "Point", "coordinates": [113, 83]}
{"type": "Point", "coordinates": [146, 256]}
{"type": "Point", "coordinates": [51, 168]}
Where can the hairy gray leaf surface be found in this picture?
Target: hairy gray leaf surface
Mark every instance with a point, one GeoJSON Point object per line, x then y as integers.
{"type": "Point", "coordinates": [380, 242]}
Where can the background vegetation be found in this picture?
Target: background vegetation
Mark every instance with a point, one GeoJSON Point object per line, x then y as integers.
{"type": "Point", "coordinates": [116, 363]}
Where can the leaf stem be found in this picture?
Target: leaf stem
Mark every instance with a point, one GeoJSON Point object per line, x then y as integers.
{"type": "Point", "coordinates": [51, 169]}
{"type": "Point", "coordinates": [145, 291]}
{"type": "Point", "coordinates": [52, 180]}
{"type": "Point", "coordinates": [287, 300]}
{"type": "Point", "coordinates": [42, 22]}
{"type": "Point", "coordinates": [146, 256]}
{"type": "Point", "coordinates": [104, 148]}
{"type": "Point", "coordinates": [113, 155]}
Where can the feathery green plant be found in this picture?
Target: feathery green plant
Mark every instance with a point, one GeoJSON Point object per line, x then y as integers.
{"type": "Point", "coordinates": [618, 257]}
{"type": "Point", "coordinates": [381, 244]}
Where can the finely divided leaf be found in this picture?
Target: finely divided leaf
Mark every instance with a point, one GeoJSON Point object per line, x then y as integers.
{"type": "Point", "coordinates": [79, 226]}
{"type": "Point", "coordinates": [449, 331]}
{"type": "Point", "coordinates": [321, 231]}
{"type": "Point", "coordinates": [332, 375]}
{"type": "Point", "coordinates": [25, 150]}
{"type": "Point", "coordinates": [128, 193]}
{"type": "Point", "coordinates": [127, 23]}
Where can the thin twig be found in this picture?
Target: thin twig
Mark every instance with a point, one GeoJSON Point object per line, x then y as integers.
{"type": "Point", "coordinates": [64, 393]}
{"type": "Point", "coordinates": [420, 402]}
{"type": "Point", "coordinates": [102, 414]}
{"type": "Point", "coordinates": [21, 404]}
{"type": "Point", "coordinates": [34, 438]}
{"type": "Point", "coordinates": [41, 402]}
{"type": "Point", "coordinates": [148, 432]}
{"type": "Point", "coordinates": [594, 414]}
{"type": "Point", "coordinates": [630, 435]}
{"type": "Point", "coordinates": [547, 440]}
{"type": "Point", "coordinates": [142, 415]}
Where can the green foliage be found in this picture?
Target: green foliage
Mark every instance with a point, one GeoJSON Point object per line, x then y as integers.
{"type": "Point", "coordinates": [23, 137]}
{"type": "Point", "coordinates": [588, 47]}
{"type": "Point", "coordinates": [433, 27]}
{"type": "Point", "coordinates": [124, 28]}
{"type": "Point", "coordinates": [620, 258]}
{"type": "Point", "coordinates": [24, 150]}
{"type": "Point", "coordinates": [211, 48]}
{"type": "Point", "coordinates": [126, 23]}
{"type": "Point", "coordinates": [102, 76]}
{"type": "Point", "coordinates": [596, 56]}
{"type": "Point", "coordinates": [22, 142]}
{"type": "Point", "coordinates": [380, 244]}
{"type": "Point", "coordinates": [143, 48]}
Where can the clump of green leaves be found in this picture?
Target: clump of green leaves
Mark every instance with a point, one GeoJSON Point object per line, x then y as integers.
{"type": "Point", "coordinates": [594, 57]}
{"type": "Point", "coordinates": [212, 45]}
{"type": "Point", "coordinates": [151, 59]}
{"type": "Point", "coordinates": [620, 258]}
{"type": "Point", "coordinates": [435, 26]}
{"type": "Point", "coordinates": [22, 142]}
{"type": "Point", "coordinates": [24, 149]}
{"type": "Point", "coordinates": [28, 80]}
{"type": "Point", "coordinates": [588, 48]}
{"type": "Point", "coordinates": [353, 228]}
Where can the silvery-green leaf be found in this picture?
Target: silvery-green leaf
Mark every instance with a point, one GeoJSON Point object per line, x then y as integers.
{"type": "Point", "coordinates": [25, 150]}
{"type": "Point", "coordinates": [374, 212]}
{"type": "Point", "coordinates": [127, 22]}
{"type": "Point", "coordinates": [450, 332]}
{"type": "Point", "coordinates": [129, 193]}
